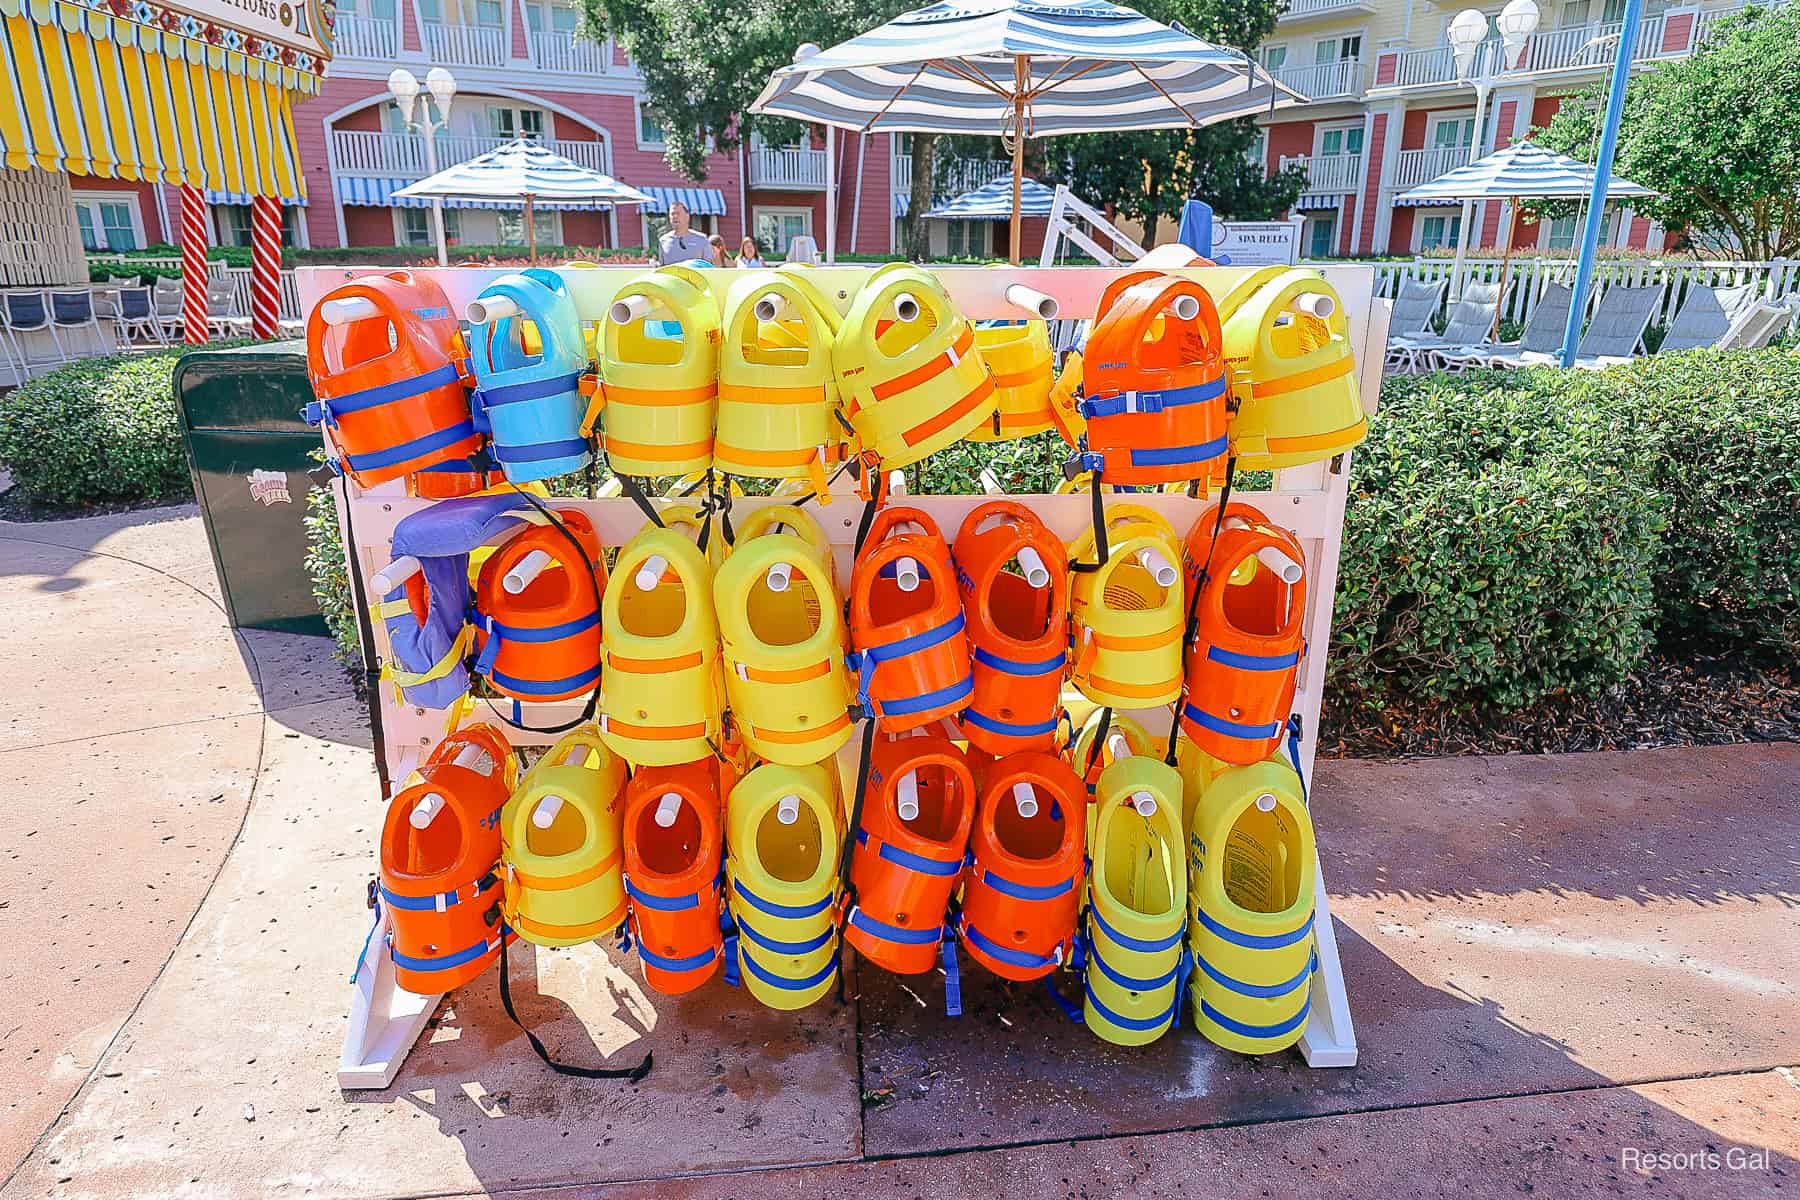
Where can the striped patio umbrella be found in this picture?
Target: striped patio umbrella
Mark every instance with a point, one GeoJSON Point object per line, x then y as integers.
{"type": "Point", "coordinates": [993, 202]}
{"type": "Point", "coordinates": [1021, 69]}
{"type": "Point", "coordinates": [525, 171]}
{"type": "Point", "coordinates": [1521, 171]}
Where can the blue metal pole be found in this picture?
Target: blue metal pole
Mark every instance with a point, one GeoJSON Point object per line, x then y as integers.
{"type": "Point", "coordinates": [1609, 142]}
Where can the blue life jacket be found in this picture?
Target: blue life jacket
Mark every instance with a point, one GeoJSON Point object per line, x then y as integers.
{"type": "Point", "coordinates": [530, 405]}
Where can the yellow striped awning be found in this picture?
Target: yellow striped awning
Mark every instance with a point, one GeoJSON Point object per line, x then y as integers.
{"type": "Point", "coordinates": [89, 93]}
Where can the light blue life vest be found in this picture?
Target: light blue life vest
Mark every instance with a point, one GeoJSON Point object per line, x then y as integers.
{"type": "Point", "coordinates": [530, 405]}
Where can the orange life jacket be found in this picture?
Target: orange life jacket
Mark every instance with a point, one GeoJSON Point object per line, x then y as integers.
{"type": "Point", "coordinates": [1248, 635]}
{"type": "Point", "coordinates": [450, 479]}
{"type": "Point", "coordinates": [1155, 386]}
{"type": "Point", "coordinates": [672, 873]}
{"type": "Point", "coordinates": [441, 880]}
{"type": "Point", "coordinates": [544, 642]}
{"type": "Point", "coordinates": [1018, 626]}
{"type": "Point", "coordinates": [904, 868]}
{"type": "Point", "coordinates": [388, 390]}
{"type": "Point", "coordinates": [911, 654]}
{"type": "Point", "coordinates": [1023, 884]}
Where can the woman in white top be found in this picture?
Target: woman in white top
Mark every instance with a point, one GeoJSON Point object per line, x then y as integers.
{"type": "Point", "coordinates": [749, 253]}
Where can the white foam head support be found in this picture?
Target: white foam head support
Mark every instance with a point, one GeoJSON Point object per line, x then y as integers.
{"type": "Point", "coordinates": [1185, 308]}
{"type": "Point", "coordinates": [348, 309]}
{"type": "Point", "coordinates": [1315, 304]}
{"type": "Point", "coordinates": [1032, 301]}
{"type": "Point", "coordinates": [544, 815]}
{"type": "Point", "coordinates": [769, 306]}
{"type": "Point", "coordinates": [1277, 561]}
{"type": "Point", "coordinates": [525, 571]}
{"type": "Point", "coordinates": [668, 808]}
{"type": "Point", "coordinates": [779, 574]}
{"type": "Point", "coordinates": [906, 307]}
{"type": "Point", "coordinates": [394, 574]}
{"type": "Point", "coordinates": [787, 809]}
{"type": "Point", "coordinates": [908, 792]}
{"type": "Point", "coordinates": [651, 573]}
{"type": "Point", "coordinates": [483, 309]}
{"type": "Point", "coordinates": [1145, 803]}
{"type": "Point", "coordinates": [1266, 802]}
{"type": "Point", "coordinates": [627, 309]}
{"type": "Point", "coordinates": [426, 810]}
{"type": "Point", "coordinates": [896, 481]}
{"type": "Point", "coordinates": [1037, 575]}
{"type": "Point", "coordinates": [1117, 746]}
{"type": "Point", "coordinates": [470, 758]}
{"type": "Point", "coordinates": [906, 574]}
{"type": "Point", "coordinates": [1160, 568]}
{"type": "Point", "coordinates": [1025, 799]}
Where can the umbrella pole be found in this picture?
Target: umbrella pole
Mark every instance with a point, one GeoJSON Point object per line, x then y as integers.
{"type": "Point", "coordinates": [1512, 227]}
{"type": "Point", "coordinates": [530, 232]}
{"type": "Point", "coordinates": [1018, 155]}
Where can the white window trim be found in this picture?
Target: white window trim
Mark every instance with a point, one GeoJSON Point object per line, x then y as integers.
{"type": "Point", "coordinates": [1286, 47]}
{"type": "Point", "coordinates": [1361, 48]}
{"type": "Point", "coordinates": [129, 200]}
{"type": "Point", "coordinates": [1311, 222]}
{"type": "Point", "coordinates": [1438, 118]}
{"type": "Point", "coordinates": [1323, 127]}
{"type": "Point", "coordinates": [637, 127]}
{"type": "Point", "coordinates": [1418, 228]}
{"type": "Point", "coordinates": [757, 211]}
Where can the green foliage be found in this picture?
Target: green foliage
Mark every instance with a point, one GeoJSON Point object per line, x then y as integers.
{"type": "Point", "coordinates": [325, 567]}
{"type": "Point", "coordinates": [1713, 133]}
{"type": "Point", "coordinates": [98, 431]}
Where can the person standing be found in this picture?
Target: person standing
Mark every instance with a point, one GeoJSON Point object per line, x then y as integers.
{"type": "Point", "coordinates": [749, 253]}
{"type": "Point", "coordinates": [717, 253]}
{"type": "Point", "coordinates": [682, 243]}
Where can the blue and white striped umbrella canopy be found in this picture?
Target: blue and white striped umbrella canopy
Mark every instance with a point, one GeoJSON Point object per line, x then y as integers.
{"type": "Point", "coordinates": [519, 169]}
{"type": "Point", "coordinates": [993, 202]}
{"type": "Point", "coordinates": [1080, 66]}
{"type": "Point", "coordinates": [1522, 171]}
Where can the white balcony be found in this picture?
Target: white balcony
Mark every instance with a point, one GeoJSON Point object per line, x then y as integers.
{"type": "Point", "coordinates": [552, 51]}
{"type": "Point", "coordinates": [465, 45]}
{"type": "Point", "coordinates": [1327, 172]}
{"type": "Point", "coordinates": [1420, 166]}
{"type": "Point", "coordinates": [402, 155]}
{"type": "Point", "coordinates": [1301, 11]}
{"type": "Point", "coordinates": [789, 167]}
{"type": "Point", "coordinates": [1580, 48]}
{"type": "Point", "coordinates": [1324, 81]}
{"type": "Point", "coordinates": [366, 37]}
{"type": "Point", "coordinates": [962, 175]}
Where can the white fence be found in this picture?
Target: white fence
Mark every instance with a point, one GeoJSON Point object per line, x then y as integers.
{"type": "Point", "coordinates": [239, 277]}
{"type": "Point", "coordinates": [1527, 278]}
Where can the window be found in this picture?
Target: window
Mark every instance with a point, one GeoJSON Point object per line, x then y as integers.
{"type": "Point", "coordinates": [1338, 49]}
{"type": "Point", "coordinates": [415, 227]}
{"type": "Point", "coordinates": [1560, 234]}
{"type": "Point", "coordinates": [1440, 231]}
{"type": "Point", "coordinates": [109, 221]}
{"type": "Point", "coordinates": [561, 18]}
{"type": "Point", "coordinates": [1319, 232]}
{"type": "Point", "coordinates": [1274, 56]}
{"type": "Point", "coordinates": [966, 239]}
{"type": "Point", "coordinates": [650, 133]}
{"type": "Point", "coordinates": [512, 227]}
{"type": "Point", "coordinates": [515, 122]}
{"type": "Point", "coordinates": [1257, 152]}
{"type": "Point", "coordinates": [776, 228]}
{"type": "Point", "coordinates": [432, 11]}
{"type": "Point", "coordinates": [232, 223]}
{"type": "Point", "coordinates": [380, 10]}
{"type": "Point", "coordinates": [1450, 132]}
{"type": "Point", "coordinates": [1343, 140]}
{"type": "Point", "coordinates": [487, 13]}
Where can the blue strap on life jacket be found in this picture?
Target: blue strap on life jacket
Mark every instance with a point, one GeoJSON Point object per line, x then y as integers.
{"type": "Point", "coordinates": [539, 451]}
{"type": "Point", "coordinates": [661, 903]}
{"type": "Point", "coordinates": [952, 974]}
{"type": "Point", "coordinates": [1140, 945]}
{"type": "Point", "coordinates": [893, 933]}
{"type": "Point", "coordinates": [791, 912]}
{"type": "Point", "coordinates": [1293, 748]}
{"type": "Point", "coordinates": [692, 962]}
{"type": "Point", "coordinates": [495, 396]}
{"type": "Point", "coordinates": [1151, 400]}
{"type": "Point", "coordinates": [1013, 666]}
{"type": "Point", "coordinates": [1022, 959]}
{"type": "Point", "coordinates": [1260, 991]}
{"type": "Point", "coordinates": [911, 861]}
{"type": "Point", "coordinates": [392, 456]}
{"type": "Point", "coordinates": [981, 720]}
{"type": "Point", "coordinates": [1023, 891]}
{"type": "Point", "coordinates": [329, 410]}
{"type": "Point", "coordinates": [442, 962]}
{"type": "Point", "coordinates": [1180, 974]}
{"type": "Point", "coordinates": [1225, 728]}
{"type": "Point", "coordinates": [1254, 941]}
{"type": "Point", "coordinates": [865, 660]}
{"type": "Point", "coordinates": [1252, 662]}
{"type": "Point", "coordinates": [777, 946]}
{"type": "Point", "coordinates": [1174, 456]}
{"type": "Point", "coordinates": [1243, 1029]}
{"type": "Point", "coordinates": [762, 973]}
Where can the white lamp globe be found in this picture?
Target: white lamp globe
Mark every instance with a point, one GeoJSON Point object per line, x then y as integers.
{"type": "Point", "coordinates": [1468, 29]}
{"type": "Point", "coordinates": [1517, 22]}
{"type": "Point", "coordinates": [443, 88]}
{"type": "Point", "coordinates": [403, 86]}
{"type": "Point", "coordinates": [806, 51]}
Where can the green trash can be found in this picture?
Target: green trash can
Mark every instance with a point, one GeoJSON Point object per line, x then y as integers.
{"type": "Point", "coordinates": [250, 455]}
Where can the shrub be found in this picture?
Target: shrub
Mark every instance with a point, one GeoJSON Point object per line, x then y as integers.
{"type": "Point", "coordinates": [101, 430]}
{"type": "Point", "coordinates": [325, 567]}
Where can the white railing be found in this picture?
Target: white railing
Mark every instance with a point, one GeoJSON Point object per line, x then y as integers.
{"type": "Point", "coordinates": [238, 276]}
{"type": "Point", "coordinates": [553, 51]}
{"type": "Point", "coordinates": [1315, 8]}
{"type": "Point", "coordinates": [962, 175]}
{"type": "Point", "coordinates": [1527, 278]}
{"type": "Point", "coordinates": [1414, 167]}
{"type": "Point", "coordinates": [786, 167]}
{"type": "Point", "coordinates": [1706, 24]}
{"type": "Point", "coordinates": [366, 37]}
{"type": "Point", "coordinates": [465, 45]}
{"type": "Point", "coordinates": [1588, 46]}
{"type": "Point", "coordinates": [1323, 81]}
{"type": "Point", "coordinates": [402, 155]}
{"type": "Point", "coordinates": [1327, 172]}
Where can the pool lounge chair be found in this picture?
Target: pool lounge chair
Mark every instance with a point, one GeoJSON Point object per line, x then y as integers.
{"type": "Point", "coordinates": [1538, 344]}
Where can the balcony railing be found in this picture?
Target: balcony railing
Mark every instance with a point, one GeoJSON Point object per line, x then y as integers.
{"type": "Point", "coordinates": [1706, 24]}
{"type": "Point", "coordinates": [402, 155]}
{"type": "Point", "coordinates": [1583, 47]}
{"type": "Point", "coordinates": [962, 175]}
{"type": "Point", "coordinates": [787, 167]}
{"type": "Point", "coordinates": [1417, 166]}
{"type": "Point", "coordinates": [1323, 81]}
{"type": "Point", "coordinates": [366, 37]}
{"type": "Point", "coordinates": [465, 45]}
{"type": "Point", "coordinates": [1327, 172]}
{"type": "Point", "coordinates": [552, 51]}
{"type": "Point", "coordinates": [1301, 9]}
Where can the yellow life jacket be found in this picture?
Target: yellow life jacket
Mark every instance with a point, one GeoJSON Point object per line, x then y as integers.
{"type": "Point", "coordinates": [661, 703]}
{"type": "Point", "coordinates": [1019, 359]}
{"type": "Point", "coordinates": [1125, 738]}
{"type": "Point", "coordinates": [1137, 904]}
{"type": "Point", "coordinates": [1127, 624]}
{"type": "Point", "coordinates": [1293, 375]}
{"type": "Point", "coordinates": [559, 843]}
{"type": "Point", "coordinates": [1065, 400]}
{"type": "Point", "coordinates": [1251, 874]}
{"type": "Point", "coordinates": [659, 378]}
{"type": "Point", "coordinates": [778, 396]}
{"type": "Point", "coordinates": [910, 387]}
{"type": "Point", "coordinates": [785, 677]}
{"type": "Point", "coordinates": [784, 829]}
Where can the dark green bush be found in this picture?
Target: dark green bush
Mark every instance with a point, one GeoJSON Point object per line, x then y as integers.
{"type": "Point", "coordinates": [101, 430]}
{"type": "Point", "coordinates": [325, 567]}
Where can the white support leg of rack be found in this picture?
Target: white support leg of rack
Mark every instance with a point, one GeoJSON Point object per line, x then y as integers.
{"type": "Point", "coordinates": [1330, 1037]}
{"type": "Point", "coordinates": [385, 1019]}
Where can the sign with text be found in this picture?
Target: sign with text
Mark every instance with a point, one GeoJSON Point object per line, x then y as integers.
{"type": "Point", "coordinates": [1257, 243]}
{"type": "Point", "coordinates": [301, 24]}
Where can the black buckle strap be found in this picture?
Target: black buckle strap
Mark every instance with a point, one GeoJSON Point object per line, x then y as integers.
{"type": "Point", "coordinates": [632, 1073]}
{"type": "Point", "coordinates": [1193, 609]}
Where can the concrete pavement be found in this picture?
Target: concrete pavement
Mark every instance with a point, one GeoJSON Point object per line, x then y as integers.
{"type": "Point", "coordinates": [1560, 969]}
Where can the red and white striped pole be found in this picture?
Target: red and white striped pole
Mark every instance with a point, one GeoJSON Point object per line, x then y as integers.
{"type": "Point", "coordinates": [265, 266]}
{"type": "Point", "coordinates": [193, 266]}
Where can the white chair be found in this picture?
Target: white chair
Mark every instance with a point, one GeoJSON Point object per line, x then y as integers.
{"type": "Point", "coordinates": [1538, 343]}
{"type": "Point", "coordinates": [222, 315]}
{"type": "Point", "coordinates": [1616, 333]}
{"type": "Point", "coordinates": [73, 309]}
{"type": "Point", "coordinates": [1761, 324]}
{"type": "Point", "coordinates": [24, 312]}
{"type": "Point", "coordinates": [165, 295]}
{"type": "Point", "coordinates": [1707, 316]}
{"type": "Point", "coordinates": [803, 250]}
{"type": "Point", "coordinates": [1414, 306]}
{"type": "Point", "coordinates": [136, 316]}
{"type": "Point", "coordinates": [1466, 324]}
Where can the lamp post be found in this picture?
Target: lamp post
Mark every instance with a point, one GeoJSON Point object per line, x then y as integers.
{"type": "Point", "coordinates": [403, 85]}
{"type": "Point", "coordinates": [1468, 33]}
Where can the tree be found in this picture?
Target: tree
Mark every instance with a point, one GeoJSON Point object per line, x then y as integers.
{"type": "Point", "coordinates": [704, 61]}
{"type": "Point", "coordinates": [1714, 134]}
